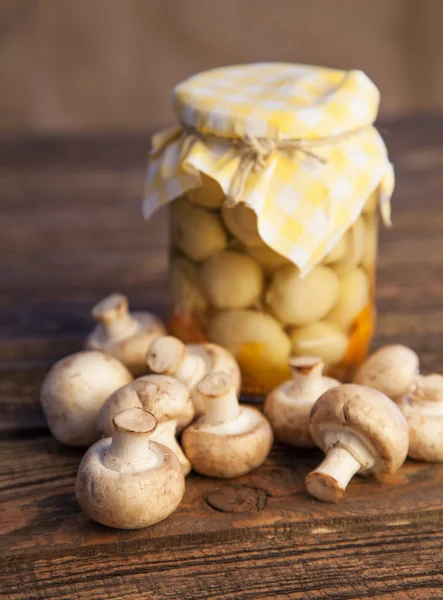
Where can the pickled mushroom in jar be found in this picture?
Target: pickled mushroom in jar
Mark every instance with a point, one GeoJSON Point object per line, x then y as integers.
{"type": "Point", "coordinates": [185, 286]}
{"type": "Point", "coordinates": [241, 222]}
{"type": "Point", "coordinates": [208, 195]}
{"type": "Point", "coordinates": [269, 260]}
{"type": "Point", "coordinates": [354, 295]}
{"type": "Point", "coordinates": [299, 301]}
{"type": "Point", "coordinates": [196, 231]}
{"type": "Point", "coordinates": [355, 240]}
{"type": "Point", "coordinates": [231, 280]}
{"type": "Point", "coordinates": [323, 339]}
{"type": "Point", "coordinates": [258, 342]}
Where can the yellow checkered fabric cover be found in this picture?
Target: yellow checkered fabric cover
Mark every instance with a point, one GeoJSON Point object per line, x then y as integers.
{"type": "Point", "coordinates": [303, 205]}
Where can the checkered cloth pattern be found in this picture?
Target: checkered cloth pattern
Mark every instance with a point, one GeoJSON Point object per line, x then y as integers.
{"type": "Point", "coordinates": [303, 205]}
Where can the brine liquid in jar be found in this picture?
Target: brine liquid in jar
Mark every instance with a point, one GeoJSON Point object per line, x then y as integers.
{"type": "Point", "coordinates": [227, 286]}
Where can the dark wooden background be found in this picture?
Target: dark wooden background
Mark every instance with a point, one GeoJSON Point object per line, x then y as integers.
{"type": "Point", "coordinates": [111, 64]}
{"type": "Point", "coordinates": [71, 232]}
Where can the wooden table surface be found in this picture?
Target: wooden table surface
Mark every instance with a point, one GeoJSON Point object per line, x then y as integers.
{"type": "Point", "coordinates": [71, 232]}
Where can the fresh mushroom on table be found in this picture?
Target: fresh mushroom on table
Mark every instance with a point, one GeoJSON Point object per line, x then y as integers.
{"type": "Point", "coordinates": [229, 439]}
{"type": "Point", "coordinates": [74, 391]}
{"type": "Point", "coordinates": [361, 431]}
{"type": "Point", "coordinates": [391, 369]}
{"type": "Point", "coordinates": [423, 410]}
{"type": "Point", "coordinates": [189, 363]}
{"type": "Point", "coordinates": [123, 334]}
{"type": "Point", "coordinates": [289, 405]}
{"type": "Point", "coordinates": [165, 397]}
{"type": "Point", "coordinates": [128, 480]}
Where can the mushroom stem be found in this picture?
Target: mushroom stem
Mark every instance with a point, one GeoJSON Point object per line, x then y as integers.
{"type": "Point", "coordinates": [169, 355]}
{"type": "Point", "coordinates": [217, 391]}
{"type": "Point", "coordinates": [307, 375]}
{"type": "Point", "coordinates": [113, 315]}
{"type": "Point", "coordinates": [165, 434]}
{"type": "Point", "coordinates": [329, 480]}
{"type": "Point", "coordinates": [130, 442]}
{"type": "Point", "coordinates": [192, 368]}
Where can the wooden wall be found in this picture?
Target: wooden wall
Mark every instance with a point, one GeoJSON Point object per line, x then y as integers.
{"type": "Point", "coordinates": [111, 64]}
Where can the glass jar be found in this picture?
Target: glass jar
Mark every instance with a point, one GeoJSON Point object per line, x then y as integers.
{"type": "Point", "coordinates": [274, 174]}
{"type": "Point", "coordinates": [227, 286]}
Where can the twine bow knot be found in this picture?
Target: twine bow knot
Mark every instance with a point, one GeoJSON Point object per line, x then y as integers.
{"type": "Point", "coordinates": [255, 153]}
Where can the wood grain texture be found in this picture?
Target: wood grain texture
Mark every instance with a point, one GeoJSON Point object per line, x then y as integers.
{"type": "Point", "coordinates": [72, 232]}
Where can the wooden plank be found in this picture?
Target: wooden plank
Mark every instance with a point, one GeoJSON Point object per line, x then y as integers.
{"type": "Point", "coordinates": [355, 561]}
{"type": "Point", "coordinates": [73, 229]}
{"type": "Point", "coordinates": [40, 512]}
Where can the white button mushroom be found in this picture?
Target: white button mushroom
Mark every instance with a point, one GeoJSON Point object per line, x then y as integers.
{"type": "Point", "coordinates": [299, 301]}
{"type": "Point", "coordinates": [165, 397]}
{"type": "Point", "coordinates": [361, 431]}
{"type": "Point", "coordinates": [323, 339]}
{"type": "Point", "coordinates": [353, 297]}
{"type": "Point", "coordinates": [242, 223]}
{"type": "Point", "coordinates": [240, 329]}
{"type": "Point", "coordinates": [196, 231]}
{"type": "Point", "coordinates": [391, 370]}
{"type": "Point", "coordinates": [289, 405]}
{"type": "Point", "coordinates": [355, 239]}
{"type": "Point", "coordinates": [423, 409]}
{"type": "Point", "coordinates": [208, 195]}
{"type": "Point", "coordinates": [370, 254]}
{"type": "Point", "coordinates": [231, 280]}
{"type": "Point", "coordinates": [186, 292]}
{"type": "Point", "coordinates": [123, 334]}
{"type": "Point", "coordinates": [191, 362]}
{"type": "Point", "coordinates": [229, 440]}
{"type": "Point", "coordinates": [74, 391]}
{"type": "Point", "coordinates": [269, 260]}
{"type": "Point", "coordinates": [129, 481]}
{"type": "Point", "coordinates": [337, 253]}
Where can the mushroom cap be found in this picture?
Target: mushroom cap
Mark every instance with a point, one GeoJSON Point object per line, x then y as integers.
{"type": "Point", "coordinates": [236, 329]}
{"type": "Point", "coordinates": [185, 287]}
{"type": "Point", "coordinates": [74, 391]}
{"type": "Point", "coordinates": [423, 410]}
{"type": "Point", "coordinates": [163, 396]}
{"type": "Point", "coordinates": [391, 370]}
{"type": "Point", "coordinates": [215, 452]}
{"type": "Point", "coordinates": [299, 301]}
{"type": "Point", "coordinates": [355, 238]}
{"type": "Point", "coordinates": [165, 355]}
{"type": "Point", "coordinates": [368, 414]}
{"type": "Point", "coordinates": [321, 338]}
{"type": "Point", "coordinates": [129, 502]}
{"type": "Point", "coordinates": [289, 409]}
{"type": "Point", "coordinates": [354, 295]}
{"type": "Point", "coordinates": [209, 194]}
{"type": "Point", "coordinates": [231, 280]}
{"type": "Point", "coordinates": [133, 340]}
{"type": "Point", "coordinates": [198, 232]}
{"type": "Point", "coordinates": [242, 223]}
{"type": "Point", "coordinates": [428, 388]}
{"type": "Point", "coordinates": [218, 358]}
{"type": "Point", "coordinates": [269, 260]}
